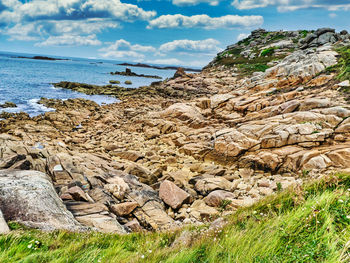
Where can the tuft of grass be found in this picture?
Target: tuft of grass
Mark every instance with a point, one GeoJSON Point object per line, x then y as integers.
{"type": "Point", "coordinates": [268, 52]}
{"type": "Point", "coordinates": [300, 224]}
{"type": "Point", "coordinates": [342, 68]}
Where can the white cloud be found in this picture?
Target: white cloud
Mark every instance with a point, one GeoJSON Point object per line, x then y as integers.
{"type": "Point", "coordinates": [204, 21]}
{"type": "Point", "coordinates": [292, 5]}
{"type": "Point", "coordinates": [242, 36]}
{"type": "Point", "coordinates": [185, 45]}
{"type": "Point", "coordinates": [55, 20]}
{"type": "Point", "coordinates": [73, 10]}
{"type": "Point", "coordinates": [124, 49]}
{"type": "Point", "coordinates": [167, 61]}
{"type": "Point", "coordinates": [70, 40]}
{"type": "Point", "coordinates": [195, 2]}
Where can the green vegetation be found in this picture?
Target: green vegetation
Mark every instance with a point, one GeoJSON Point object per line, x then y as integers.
{"type": "Point", "coordinates": [234, 51]}
{"type": "Point", "coordinates": [304, 224]}
{"type": "Point", "coordinates": [245, 41]}
{"type": "Point", "coordinates": [304, 33]}
{"type": "Point", "coordinates": [268, 52]}
{"type": "Point", "coordinates": [342, 68]}
{"type": "Point", "coordinates": [247, 69]}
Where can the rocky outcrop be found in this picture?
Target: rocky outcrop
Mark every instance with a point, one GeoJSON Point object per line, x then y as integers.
{"type": "Point", "coordinates": [129, 73]}
{"type": "Point", "coordinates": [28, 197]}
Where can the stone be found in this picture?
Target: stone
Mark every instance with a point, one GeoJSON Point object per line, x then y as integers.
{"type": "Point", "coordinates": [128, 155]}
{"type": "Point", "coordinates": [118, 187]}
{"type": "Point", "coordinates": [134, 225]}
{"type": "Point", "coordinates": [103, 223]}
{"type": "Point", "coordinates": [182, 112]}
{"type": "Point", "coordinates": [172, 195]}
{"type": "Point", "coordinates": [124, 209]}
{"type": "Point", "coordinates": [216, 198]}
{"type": "Point", "coordinates": [207, 185]}
{"type": "Point", "coordinates": [29, 198]}
{"type": "Point", "coordinates": [77, 194]}
{"type": "Point", "coordinates": [180, 73]}
{"type": "Point", "coordinates": [201, 211]}
{"type": "Point", "coordinates": [144, 175]}
{"type": "Point", "coordinates": [4, 229]}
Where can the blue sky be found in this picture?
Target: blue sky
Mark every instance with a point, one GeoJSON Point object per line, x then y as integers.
{"type": "Point", "coordinates": [176, 32]}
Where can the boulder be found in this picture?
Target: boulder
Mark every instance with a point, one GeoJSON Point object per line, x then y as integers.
{"type": "Point", "coordinates": [207, 185]}
{"type": "Point", "coordinates": [217, 197]}
{"type": "Point", "coordinates": [180, 73]}
{"type": "Point", "coordinates": [4, 229]}
{"type": "Point", "coordinates": [77, 194]}
{"type": "Point", "coordinates": [182, 111]}
{"type": "Point", "coordinates": [172, 195]}
{"type": "Point", "coordinates": [124, 209]}
{"type": "Point", "coordinates": [28, 197]}
{"type": "Point", "coordinates": [134, 225]}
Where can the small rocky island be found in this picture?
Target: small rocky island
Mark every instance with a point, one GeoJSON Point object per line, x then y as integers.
{"type": "Point", "coordinates": [129, 73]}
{"type": "Point", "coordinates": [41, 58]}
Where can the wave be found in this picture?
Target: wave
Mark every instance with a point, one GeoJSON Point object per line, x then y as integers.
{"type": "Point", "coordinates": [33, 103]}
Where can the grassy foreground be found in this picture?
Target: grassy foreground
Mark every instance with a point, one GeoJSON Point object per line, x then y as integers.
{"type": "Point", "coordinates": [309, 224]}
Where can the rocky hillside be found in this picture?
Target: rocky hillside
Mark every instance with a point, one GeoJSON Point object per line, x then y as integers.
{"type": "Point", "coordinates": [268, 113]}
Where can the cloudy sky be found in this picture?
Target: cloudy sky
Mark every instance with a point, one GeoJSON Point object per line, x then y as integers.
{"type": "Point", "coordinates": [177, 32]}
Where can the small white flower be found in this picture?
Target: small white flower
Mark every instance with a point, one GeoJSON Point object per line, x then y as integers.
{"type": "Point", "coordinates": [340, 201]}
{"type": "Point", "coordinates": [149, 251]}
{"type": "Point", "coordinates": [30, 246]}
{"type": "Point", "coordinates": [142, 256]}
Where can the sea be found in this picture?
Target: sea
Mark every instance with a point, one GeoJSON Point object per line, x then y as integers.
{"type": "Point", "coordinates": [24, 81]}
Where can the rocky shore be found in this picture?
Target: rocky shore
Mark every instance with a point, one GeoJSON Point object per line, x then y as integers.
{"type": "Point", "coordinates": [268, 113]}
{"type": "Point", "coordinates": [129, 73]}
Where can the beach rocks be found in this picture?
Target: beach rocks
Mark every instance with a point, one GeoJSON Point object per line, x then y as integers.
{"type": "Point", "coordinates": [172, 195]}
{"type": "Point", "coordinates": [8, 105]}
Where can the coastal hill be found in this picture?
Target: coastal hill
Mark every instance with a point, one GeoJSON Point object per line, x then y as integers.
{"type": "Point", "coordinates": [254, 146]}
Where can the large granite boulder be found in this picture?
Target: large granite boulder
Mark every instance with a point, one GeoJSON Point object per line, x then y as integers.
{"type": "Point", "coordinates": [4, 229]}
{"type": "Point", "coordinates": [29, 198]}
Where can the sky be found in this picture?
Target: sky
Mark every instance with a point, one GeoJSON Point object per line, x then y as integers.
{"type": "Point", "coordinates": [169, 32]}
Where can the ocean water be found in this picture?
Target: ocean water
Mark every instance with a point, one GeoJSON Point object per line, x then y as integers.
{"type": "Point", "coordinates": [24, 81]}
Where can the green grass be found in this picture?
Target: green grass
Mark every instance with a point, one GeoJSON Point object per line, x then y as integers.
{"type": "Point", "coordinates": [309, 224]}
{"type": "Point", "coordinates": [268, 52]}
{"type": "Point", "coordinates": [342, 68]}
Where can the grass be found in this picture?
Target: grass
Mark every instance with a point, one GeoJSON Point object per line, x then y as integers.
{"type": "Point", "coordinates": [342, 68]}
{"type": "Point", "coordinates": [268, 52]}
{"type": "Point", "coordinates": [309, 224]}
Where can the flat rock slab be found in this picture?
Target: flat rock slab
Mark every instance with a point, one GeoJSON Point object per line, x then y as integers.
{"type": "Point", "coordinates": [29, 198]}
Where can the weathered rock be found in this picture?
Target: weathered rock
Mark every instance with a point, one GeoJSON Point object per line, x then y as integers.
{"type": "Point", "coordinates": [102, 222]}
{"type": "Point", "coordinates": [134, 225]}
{"type": "Point", "coordinates": [124, 209]}
{"type": "Point", "coordinates": [172, 195]}
{"type": "Point", "coordinates": [117, 187]}
{"type": "Point", "coordinates": [207, 185]}
{"type": "Point", "coordinates": [77, 194]}
{"type": "Point", "coordinates": [28, 197]}
{"type": "Point", "coordinates": [4, 229]}
{"type": "Point", "coordinates": [217, 197]}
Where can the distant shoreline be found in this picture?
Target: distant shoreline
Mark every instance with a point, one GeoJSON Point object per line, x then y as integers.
{"type": "Point", "coordinates": [141, 65]}
{"type": "Point", "coordinates": [41, 58]}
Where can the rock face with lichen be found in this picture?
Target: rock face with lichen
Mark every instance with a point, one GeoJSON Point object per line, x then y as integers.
{"type": "Point", "coordinates": [268, 113]}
